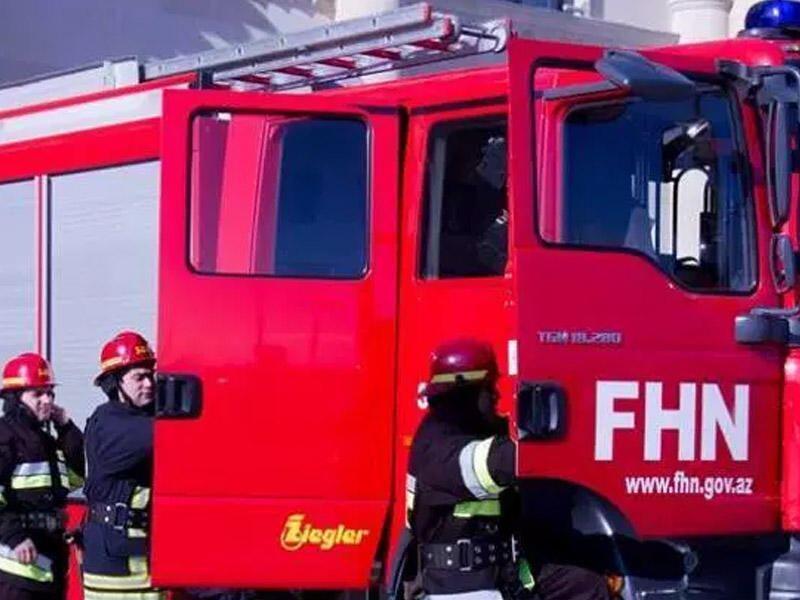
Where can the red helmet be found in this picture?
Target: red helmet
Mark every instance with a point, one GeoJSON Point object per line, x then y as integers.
{"type": "Point", "coordinates": [125, 349]}
{"type": "Point", "coordinates": [461, 362]}
{"type": "Point", "coordinates": [28, 370]}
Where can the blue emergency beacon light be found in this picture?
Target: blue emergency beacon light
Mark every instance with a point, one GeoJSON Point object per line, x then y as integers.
{"type": "Point", "coordinates": [773, 19]}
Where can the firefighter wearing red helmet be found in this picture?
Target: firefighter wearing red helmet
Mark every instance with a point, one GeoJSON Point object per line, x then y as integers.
{"type": "Point", "coordinates": [37, 471]}
{"type": "Point", "coordinates": [460, 491]}
{"type": "Point", "coordinates": [119, 456]}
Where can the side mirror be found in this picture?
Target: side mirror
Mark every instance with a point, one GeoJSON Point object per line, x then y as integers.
{"type": "Point", "coordinates": [644, 78]}
{"type": "Point", "coordinates": [780, 128]}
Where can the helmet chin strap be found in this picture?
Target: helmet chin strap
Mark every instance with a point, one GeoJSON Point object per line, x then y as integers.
{"type": "Point", "coordinates": [126, 399]}
{"type": "Point", "coordinates": [123, 397]}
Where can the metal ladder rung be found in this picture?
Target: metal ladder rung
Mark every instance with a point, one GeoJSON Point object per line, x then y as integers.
{"type": "Point", "coordinates": [433, 45]}
{"type": "Point", "coordinates": [257, 79]}
{"type": "Point", "coordinates": [384, 53]}
{"type": "Point", "coordinates": [347, 63]}
{"type": "Point", "coordinates": [306, 72]}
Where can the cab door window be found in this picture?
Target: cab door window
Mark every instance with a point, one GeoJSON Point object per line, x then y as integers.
{"type": "Point", "coordinates": [279, 196]}
{"type": "Point", "coordinates": [465, 219]}
{"type": "Point", "coordinates": [662, 179]}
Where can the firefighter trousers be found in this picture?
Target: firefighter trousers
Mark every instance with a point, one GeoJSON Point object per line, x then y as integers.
{"type": "Point", "coordinates": [562, 582]}
{"type": "Point", "coordinates": [10, 592]}
{"type": "Point", "coordinates": [477, 595]}
{"type": "Point", "coordinates": [553, 582]}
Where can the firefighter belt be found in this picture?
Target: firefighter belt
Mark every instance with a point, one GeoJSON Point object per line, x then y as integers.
{"type": "Point", "coordinates": [466, 555]}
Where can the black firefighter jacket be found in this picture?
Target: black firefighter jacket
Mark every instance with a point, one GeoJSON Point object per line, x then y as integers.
{"type": "Point", "coordinates": [458, 469]}
{"type": "Point", "coordinates": [37, 471]}
{"type": "Point", "coordinates": [119, 456]}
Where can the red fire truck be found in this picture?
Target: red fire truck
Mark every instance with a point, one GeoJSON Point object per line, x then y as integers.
{"type": "Point", "coordinates": [620, 224]}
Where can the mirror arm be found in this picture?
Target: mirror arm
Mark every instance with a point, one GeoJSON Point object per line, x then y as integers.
{"type": "Point", "coordinates": [755, 79]}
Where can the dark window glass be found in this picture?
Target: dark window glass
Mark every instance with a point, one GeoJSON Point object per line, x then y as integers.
{"type": "Point", "coordinates": [279, 196]}
{"type": "Point", "coordinates": [465, 224]}
{"type": "Point", "coordinates": [664, 179]}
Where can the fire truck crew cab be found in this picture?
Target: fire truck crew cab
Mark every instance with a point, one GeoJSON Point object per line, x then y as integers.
{"type": "Point", "coordinates": [621, 233]}
{"type": "Point", "coordinates": [36, 474]}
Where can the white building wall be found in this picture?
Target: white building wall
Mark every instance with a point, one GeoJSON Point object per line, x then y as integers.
{"type": "Point", "coordinates": [693, 20]}
{"type": "Point", "coordinates": [42, 36]}
{"type": "Point", "coordinates": [650, 14]}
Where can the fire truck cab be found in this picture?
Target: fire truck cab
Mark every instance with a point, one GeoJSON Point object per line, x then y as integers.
{"type": "Point", "coordinates": [619, 223]}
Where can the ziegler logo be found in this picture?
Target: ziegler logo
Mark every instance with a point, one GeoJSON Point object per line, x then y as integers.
{"type": "Point", "coordinates": [297, 533]}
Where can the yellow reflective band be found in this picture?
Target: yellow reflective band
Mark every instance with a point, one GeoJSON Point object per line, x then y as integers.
{"type": "Point", "coordinates": [409, 507]}
{"type": "Point", "coordinates": [41, 570]}
{"type": "Point", "coordinates": [136, 533]}
{"type": "Point", "coordinates": [32, 468]}
{"type": "Point", "coordinates": [134, 582]}
{"type": "Point", "coordinates": [111, 362]}
{"type": "Point", "coordinates": [465, 375]}
{"type": "Point", "coordinates": [138, 580]}
{"type": "Point", "coordinates": [140, 501]}
{"type": "Point", "coordinates": [140, 498]}
{"type": "Point", "coordinates": [74, 480]}
{"type": "Point", "coordinates": [481, 465]}
{"type": "Point", "coordinates": [526, 575]}
{"type": "Point", "coordinates": [28, 482]}
{"type": "Point", "coordinates": [13, 381]}
{"type": "Point", "coordinates": [477, 508]}
{"type": "Point", "coordinates": [138, 565]}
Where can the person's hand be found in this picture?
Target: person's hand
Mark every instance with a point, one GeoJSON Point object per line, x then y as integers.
{"type": "Point", "coordinates": [59, 415]}
{"type": "Point", "coordinates": [26, 552]}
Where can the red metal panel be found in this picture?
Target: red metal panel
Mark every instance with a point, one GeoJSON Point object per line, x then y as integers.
{"type": "Point", "coordinates": [670, 336]}
{"type": "Point", "coordinates": [166, 82]}
{"type": "Point", "coordinates": [91, 149]}
{"type": "Point", "coordinates": [790, 481]}
{"type": "Point", "coordinates": [75, 514]}
{"type": "Point", "coordinates": [298, 377]}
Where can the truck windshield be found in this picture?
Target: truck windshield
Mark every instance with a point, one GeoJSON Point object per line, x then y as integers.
{"type": "Point", "coordinates": [663, 179]}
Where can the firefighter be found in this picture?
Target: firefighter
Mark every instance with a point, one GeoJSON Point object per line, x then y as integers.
{"type": "Point", "coordinates": [37, 471]}
{"type": "Point", "coordinates": [461, 469]}
{"type": "Point", "coordinates": [119, 454]}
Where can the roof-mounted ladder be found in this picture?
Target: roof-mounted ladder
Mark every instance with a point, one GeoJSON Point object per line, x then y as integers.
{"type": "Point", "coordinates": [406, 37]}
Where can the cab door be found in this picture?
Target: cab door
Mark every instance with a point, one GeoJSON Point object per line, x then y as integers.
{"type": "Point", "coordinates": [640, 236]}
{"type": "Point", "coordinates": [276, 325]}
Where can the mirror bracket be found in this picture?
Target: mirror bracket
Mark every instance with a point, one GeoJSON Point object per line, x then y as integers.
{"type": "Point", "coordinates": [739, 72]}
{"type": "Point", "coordinates": [632, 71]}
{"type": "Point", "coordinates": [768, 84]}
